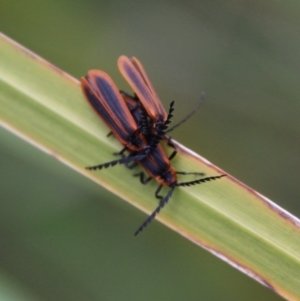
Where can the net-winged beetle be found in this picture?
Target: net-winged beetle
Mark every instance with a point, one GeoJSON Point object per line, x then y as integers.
{"type": "Point", "coordinates": [104, 97]}
{"type": "Point", "coordinates": [139, 123]}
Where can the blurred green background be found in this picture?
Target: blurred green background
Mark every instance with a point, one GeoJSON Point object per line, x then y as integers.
{"type": "Point", "coordinates": [65, 238]}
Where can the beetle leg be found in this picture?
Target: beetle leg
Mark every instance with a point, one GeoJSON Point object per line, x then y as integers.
{"type": "Point", "coordinates": [142, 178]}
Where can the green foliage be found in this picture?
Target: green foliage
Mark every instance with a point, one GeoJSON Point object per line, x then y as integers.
{"type": "Point", "coordinates": [45, 106]}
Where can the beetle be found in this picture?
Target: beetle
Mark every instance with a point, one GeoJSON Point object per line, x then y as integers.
{"type": "Point", "coordinates": [131, 131]}
{"type": "Point", "coordinates": [151, 119]}
{"type": "Point", "coordinates": [158, 167]}
{"type": "Point", "coordinates": [139, 123]}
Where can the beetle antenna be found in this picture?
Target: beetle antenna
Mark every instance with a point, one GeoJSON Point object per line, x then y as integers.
{"type": "Point", "coordinates": [170, 115]}
{"type": "Point", "coordinates": [189, 115]}
{"type": "Point", "coordinates": [143, 123]}
{"type": "Point", "coordinates": [162, 128]}
{"type": "Point", "coordinates": [199, 181]}
{"type": "Point", "coordinates": [119, 161]}
{"type": "Point", "coordinates": [151, 217]}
